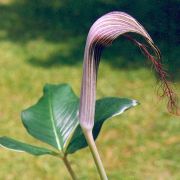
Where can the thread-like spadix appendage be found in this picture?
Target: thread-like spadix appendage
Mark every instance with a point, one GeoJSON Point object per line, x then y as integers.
{"type": "Point", "coordinates": [102, 33]}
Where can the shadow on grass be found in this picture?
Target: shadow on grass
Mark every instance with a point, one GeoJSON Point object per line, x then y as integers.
{"type": "Point", "coordinates": [59, 21]}
{"type": "Point", "coordinates": [116, 55]}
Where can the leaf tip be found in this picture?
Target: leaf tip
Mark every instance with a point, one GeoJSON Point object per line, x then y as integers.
{"type": "Point", "coordinates": [135, 102]}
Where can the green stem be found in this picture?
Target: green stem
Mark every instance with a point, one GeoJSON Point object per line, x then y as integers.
{"type": "Point", "coordinates": [94, 151]}
{"type": "Point", "coordinates": [68, 166]}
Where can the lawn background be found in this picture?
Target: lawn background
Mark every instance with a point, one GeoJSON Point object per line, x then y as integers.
{"type": "Point", "coordinates": [43, 42]}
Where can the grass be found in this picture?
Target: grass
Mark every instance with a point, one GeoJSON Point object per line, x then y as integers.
{"type": "Point", "coordinates": [140, 144]}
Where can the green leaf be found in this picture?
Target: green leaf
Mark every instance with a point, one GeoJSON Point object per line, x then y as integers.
{"type": "Point", "coordinates": [105, 108]}
{"type": "Point", "coordinates": [23, 147]}
{"type": "Point", "coordinates": [54, 117]}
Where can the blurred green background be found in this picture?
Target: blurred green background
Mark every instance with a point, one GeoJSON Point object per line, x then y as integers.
{"type": "Point", "coordinates": [43, 42]}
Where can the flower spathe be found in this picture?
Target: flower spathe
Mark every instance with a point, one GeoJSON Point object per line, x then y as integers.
{"type": "Point", "coordinates": [102, 33]}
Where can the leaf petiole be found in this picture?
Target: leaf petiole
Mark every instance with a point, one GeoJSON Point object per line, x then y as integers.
{"type": "Point", "coordinates": [68, 166]}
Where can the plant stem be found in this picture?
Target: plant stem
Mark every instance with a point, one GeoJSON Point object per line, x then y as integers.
{"type": "Point", "coordinates": [68, 166]}
{"type": "Point", "coordinates": [94, 151]}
